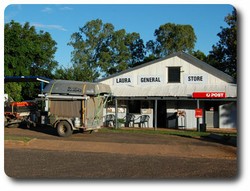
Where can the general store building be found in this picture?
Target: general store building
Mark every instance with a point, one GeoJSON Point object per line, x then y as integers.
{"type": "Point", "coordinates": [170, 89]}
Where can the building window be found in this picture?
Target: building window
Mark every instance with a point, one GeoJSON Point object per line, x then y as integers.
{"type": "Point", "coordinates": [174, 74]}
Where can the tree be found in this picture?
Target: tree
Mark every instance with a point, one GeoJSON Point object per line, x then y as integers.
{"type": "Point", "coordinates": [137, 49]}
{"type": "Point", "coordinates": [64, 73]}
{"type": "Point", "coordinates": [89, 44]}
{"type": "Point", "coordinates": [27, 52]}
{"type": "Point", "coordinates": [200, 55]}
{"type": "Point", "coordinates": [99, 50]}
{"type": "Point", "coordinates": [14, 90]}
{"type": "Point", "coordinates": [224, 54]}
{"type": "Point", "coordinates": [172, 38]}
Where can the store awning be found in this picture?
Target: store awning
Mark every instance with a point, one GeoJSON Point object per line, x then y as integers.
{"type": "Point", "coordinates": [173, 90]}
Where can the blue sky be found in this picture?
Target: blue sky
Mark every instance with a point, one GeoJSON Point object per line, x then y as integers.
{"type": "Point", "coordinates": [61, 21]}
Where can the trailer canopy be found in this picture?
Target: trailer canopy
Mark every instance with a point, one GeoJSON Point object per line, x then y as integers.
{"type": "Point", "coordinates": [68, 87]}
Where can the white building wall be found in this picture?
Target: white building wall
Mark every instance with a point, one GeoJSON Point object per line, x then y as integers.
{"type": "Point", "coordinates": [191, 121]}
{"type": "Point", "coordinates": [161, 69]}
{"type": "Point", "coordinates": [228, 115]}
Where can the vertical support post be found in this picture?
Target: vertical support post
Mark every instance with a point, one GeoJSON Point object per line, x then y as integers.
{"type": "Point", "coordinates": [42, 86]}
{"type": "Point", "coordinates": [85, 113]}
{"type": "Point", "coordinates": [198, 119]}
{"type": "Point", "coordinates": [156, 105]}
{"type": "Point", "coordinates": [116, 114]}
{"type": "Point", "coordinates": [204, 115]}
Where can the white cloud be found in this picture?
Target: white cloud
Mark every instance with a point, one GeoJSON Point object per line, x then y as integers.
{"type": "Point", "coordinates": [47, 10]}
{"type": "Point", "coordinates": [66, 8]}
{"type": "Point", "coordinates": [53, 27]}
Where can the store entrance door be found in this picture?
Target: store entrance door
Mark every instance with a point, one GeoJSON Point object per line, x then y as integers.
{"type": "Point", "coordinates": [161, 114]}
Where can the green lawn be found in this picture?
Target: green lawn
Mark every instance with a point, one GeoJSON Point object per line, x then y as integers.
{"type": "Point", "coordinates": [187, 133]}
{"type": "Point", "coordinates": [17, 138]}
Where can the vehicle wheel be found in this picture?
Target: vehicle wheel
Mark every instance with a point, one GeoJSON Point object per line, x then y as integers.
{"type": "Point", "coordinates": [64, 129]}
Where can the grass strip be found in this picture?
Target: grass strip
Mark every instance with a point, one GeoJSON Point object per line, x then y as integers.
{"type": "Point", "coordinates": [159, 132]}
{"type": "Point", "coordinates": [184, 133]}
{"type": "Point", "coordinates": [17, 138]}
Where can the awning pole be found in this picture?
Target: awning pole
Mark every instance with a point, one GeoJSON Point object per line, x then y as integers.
{"type": "Point", "coordinates": [42, 86]}
{"type": "Point", "coordinates": [198, 119]}
{"type": "Point", "coordinates": [155, 125]}
{"type": "Point", "coordinates": [116, 115]}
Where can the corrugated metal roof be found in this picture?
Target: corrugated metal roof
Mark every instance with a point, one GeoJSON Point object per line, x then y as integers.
{"type": "Point", "coordinates": [189, 58]}
{"type": "Point", "coordinates": [180, 90]}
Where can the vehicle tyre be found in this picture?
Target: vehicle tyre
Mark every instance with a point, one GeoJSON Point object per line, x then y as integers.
{"type": "Point", "coordinates": [64, 129]}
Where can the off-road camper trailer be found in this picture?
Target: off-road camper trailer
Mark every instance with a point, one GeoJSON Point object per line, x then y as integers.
{"type": "Point", "coordinates": [72, 105]}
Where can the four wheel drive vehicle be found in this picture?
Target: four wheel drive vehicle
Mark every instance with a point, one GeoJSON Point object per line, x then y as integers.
{"type": "Point", "coordinates": [71, 105]}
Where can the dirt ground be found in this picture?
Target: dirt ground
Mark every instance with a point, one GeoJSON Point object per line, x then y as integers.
{"type": "Point", "coordinates": [121, 143]}
{"type": "Point", "coordinates": [112, 155]}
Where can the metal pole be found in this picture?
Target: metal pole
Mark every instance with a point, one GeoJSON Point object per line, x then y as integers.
{"type": "Point", "coordinates": [198, 119]}
{"type": "Point", "coordinates": [116, 115]}
{"type": "Point", "coordinates": [42, 86]}
{"type": "Point", "coordinates": [155, 125]}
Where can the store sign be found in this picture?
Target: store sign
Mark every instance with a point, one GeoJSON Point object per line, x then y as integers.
{"type": "Point", "coordinates": [196, 79]}
{"type": "Point", "coordinates": [146, 80]}
{"type": "Point", "coordinates": [213, 95]}
{"type": "Point", "coordinates": [198, 113]}
{"type": "Point", "coordinates": [123, 80]}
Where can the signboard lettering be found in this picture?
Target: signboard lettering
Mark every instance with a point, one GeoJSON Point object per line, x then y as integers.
{"type": "Point", "coordinates": [150, 79]}
{"type": "Point", "coordinates": [196, 79]}
{"type": "Point", "coordinates": [214, 95]}
{"type": "Point", "coordinates": [123, 80]}
{"type": "Point", "coordinates": [147, 80]}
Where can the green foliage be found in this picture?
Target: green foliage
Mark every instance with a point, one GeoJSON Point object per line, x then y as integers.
{"type": "Point", "coordinates": [99, 50]}
{"type": "Point", "coordinates": [27, 53]}
{"type": "Point", "coordinates": [14, 90]}
{"type": "Point", "coordinates": [200, 55]}
{"type": "Point", "coordinates": [172, 38]}
{"type": "Point", "coordinates": [224, 54]}
{"type": "Point", "coordinates": [64, 73]}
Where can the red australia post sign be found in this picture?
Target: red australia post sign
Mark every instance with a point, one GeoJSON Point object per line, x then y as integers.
{"type": "Point", "coordinates": [198, 113]}
{"type": "Point", "coordinates": [209, 95]}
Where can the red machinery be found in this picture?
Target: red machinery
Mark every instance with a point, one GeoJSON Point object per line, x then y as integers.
{"type": "Point", "coordinates": [16, 112]}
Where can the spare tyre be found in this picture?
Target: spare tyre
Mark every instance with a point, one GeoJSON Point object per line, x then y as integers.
{"type": "Point", "coordinates": [64, 129]}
